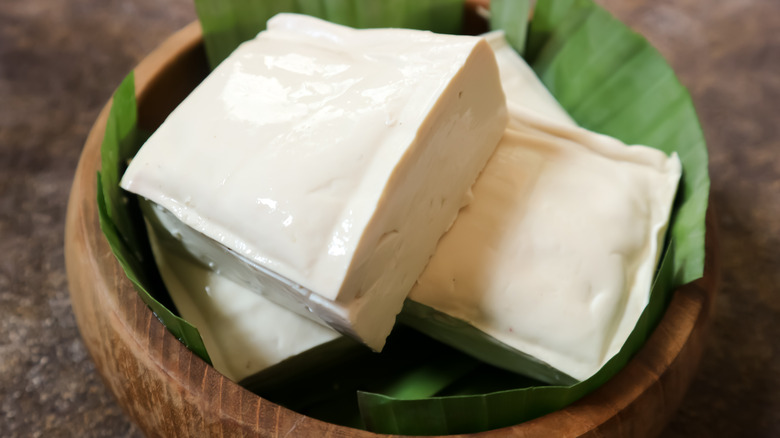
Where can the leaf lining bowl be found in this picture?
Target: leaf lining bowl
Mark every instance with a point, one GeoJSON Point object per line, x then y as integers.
{"type": "Point", "coordinates": [168, 391]}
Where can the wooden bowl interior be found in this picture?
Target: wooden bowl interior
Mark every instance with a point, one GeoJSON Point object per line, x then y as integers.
{"type": "Point", "coordinates": [168, 391]}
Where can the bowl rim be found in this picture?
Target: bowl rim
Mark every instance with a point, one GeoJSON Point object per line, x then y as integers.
{"type": "Point", "coordinates": [140, 353]}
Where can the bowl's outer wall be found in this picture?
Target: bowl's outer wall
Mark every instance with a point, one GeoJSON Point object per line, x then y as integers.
{"type": "Point", "coordinates": [168, 391]}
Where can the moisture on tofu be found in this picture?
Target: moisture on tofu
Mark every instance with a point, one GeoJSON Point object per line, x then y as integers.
{"type": "Point", "coordinates": [323, 163]}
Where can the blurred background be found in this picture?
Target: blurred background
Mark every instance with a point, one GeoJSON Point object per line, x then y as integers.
{"type": "Point", "coordinates": [61, 60]}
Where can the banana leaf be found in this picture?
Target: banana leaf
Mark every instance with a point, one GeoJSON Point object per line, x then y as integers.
{"type": "Point", "coordinates": [504, 16]}
{"type": "Point", "coordinates": [121, 221]}
{"type": "Point", "coordinates": [228, 23]}
{"type": "Point", "coordinates": [469, 411]}
{"type": "Point", "coordinates": [412, 366]}
{"type": "Point", "coordinates": [611, 81]}
{"type": "Point", "coordinates": [635, 98]}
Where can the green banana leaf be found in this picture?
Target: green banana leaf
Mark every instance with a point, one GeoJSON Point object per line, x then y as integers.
{"type": "Point", "coordinates": [322, 383]}
{"type": "Point", "coordinates": [503, 15]}
{"type": "Point", "coordinates": [121, 221]}
{"type": "Point", "coordinates": [469, 410]}
{"type": "Point", "coordinates": [570, 45]}
{"type": "Point", "coordinates": [612, 81]}
{"type": "Point", "coordinates": [228, 23]}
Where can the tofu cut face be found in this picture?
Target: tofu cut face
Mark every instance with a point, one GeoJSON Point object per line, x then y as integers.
{"type": "Point", "coordinates": [323, 163]}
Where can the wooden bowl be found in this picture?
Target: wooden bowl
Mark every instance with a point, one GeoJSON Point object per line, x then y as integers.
{"type": "Point", "coordinates": [168, 391]}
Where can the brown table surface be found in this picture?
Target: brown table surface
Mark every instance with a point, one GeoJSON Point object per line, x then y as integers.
{"type": "Point", "coordinates": [61, 60]}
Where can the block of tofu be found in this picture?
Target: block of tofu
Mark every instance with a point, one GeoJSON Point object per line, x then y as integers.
{"type": "Point", "coordinates": [548, 270]}
{"type": "Point", "coordinates": [243, 332]}
{"type": "Point", "coordinates": [323, 163]}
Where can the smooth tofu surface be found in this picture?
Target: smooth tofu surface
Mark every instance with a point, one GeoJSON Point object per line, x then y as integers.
{"type": "Point", "coordinates": [243, 332]}
{"type": "Point", "coordinates": [331, 160]}
{"type": "Point", "coordinates": [556, 254]}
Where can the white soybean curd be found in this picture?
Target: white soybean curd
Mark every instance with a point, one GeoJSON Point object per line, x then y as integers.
{"type": "Point", "coordinates": [329, 161]}
{"type": "Point", "coordinates": [243, 332]}
{"type": "Point", "coordinates": [555, 256]}
{"type": "Point", "coordinates": [547, 270]}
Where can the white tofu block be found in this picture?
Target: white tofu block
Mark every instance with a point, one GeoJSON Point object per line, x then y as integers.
{"type": "Point", "coordinates": [243, 332]}
{"type": "Point", "coordinates": [555, 257]}
{"type": "Point", "coordinates": [323, 163]}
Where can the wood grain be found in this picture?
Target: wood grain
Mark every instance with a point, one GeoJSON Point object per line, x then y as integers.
{"type": "Point", "coordinates": [168, 391]}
